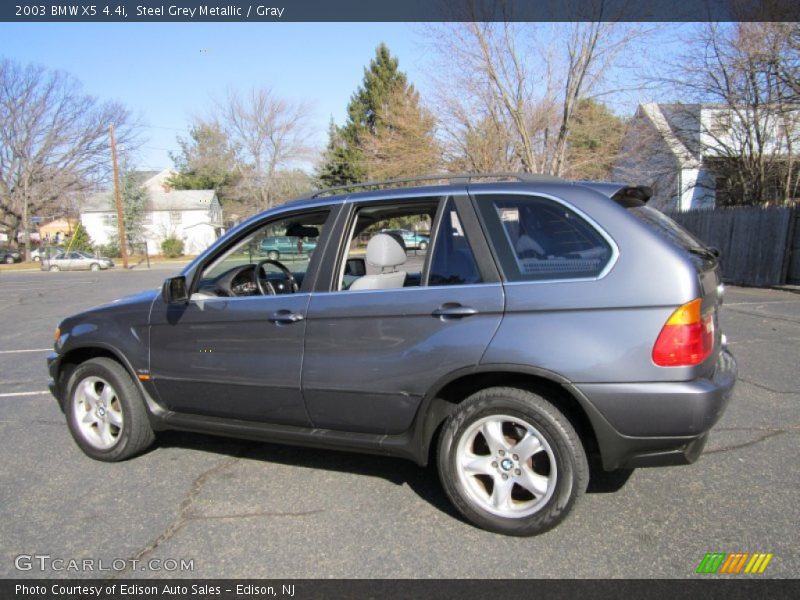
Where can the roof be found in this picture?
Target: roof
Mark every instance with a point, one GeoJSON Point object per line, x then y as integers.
{"type": "Point", "coordinates": [160, 197]}
{"type": "Point", "coordinates": [674, 124]}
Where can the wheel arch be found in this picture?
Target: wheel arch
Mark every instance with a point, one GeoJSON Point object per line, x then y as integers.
{"type": "Point", "coordinates": [454, 388]}
{"type": "Point", "coordinates": [78, 355]}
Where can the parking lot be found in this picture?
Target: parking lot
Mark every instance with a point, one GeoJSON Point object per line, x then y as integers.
{"type": "Point", "coordinates": [242, 509]}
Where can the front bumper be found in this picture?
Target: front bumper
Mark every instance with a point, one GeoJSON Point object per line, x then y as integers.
{"type": "Point", "coordinates": [53, 359]}
{"type": "Point", "coordinates": [658, 423]}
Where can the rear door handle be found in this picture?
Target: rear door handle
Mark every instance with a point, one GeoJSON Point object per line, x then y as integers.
{"type": "Point", "coordinates": [454, 310]}
{"type": "Point", "coordinates": [283, 317]}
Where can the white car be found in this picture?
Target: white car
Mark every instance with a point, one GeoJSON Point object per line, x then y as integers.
{"type": "Point", "coordinates": [77, 260]}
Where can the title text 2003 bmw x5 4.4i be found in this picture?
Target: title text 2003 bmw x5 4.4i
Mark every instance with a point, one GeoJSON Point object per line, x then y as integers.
{"type": "Point", "coordinates": [547, 322]}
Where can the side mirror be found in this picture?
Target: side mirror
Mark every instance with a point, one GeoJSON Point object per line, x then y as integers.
{"type": "Point", "coordinates": [174, 290]}
{"type": "Point", "coordinates": [355, 267]}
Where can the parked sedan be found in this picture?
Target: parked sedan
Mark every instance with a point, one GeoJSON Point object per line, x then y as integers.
{"type": "Point", "coordinates": [276, 246]}
{"type": "Point", "coordinates": [77, 260]}
{"type": "Point", "coordinates": [9, 256]}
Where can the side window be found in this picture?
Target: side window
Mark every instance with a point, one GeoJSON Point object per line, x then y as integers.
{"type": "Point", "coordinates": [539, 239]}
{"type": "Point", "coordinates": [387, 246]}
{"type": "Point", "coordinates": [453, 262]}
{"type": "Point", "coordinates": [276, 249]}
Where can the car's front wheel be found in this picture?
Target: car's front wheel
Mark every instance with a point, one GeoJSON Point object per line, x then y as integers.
{"type": "Point", "coordinates": [511, 462]}
{"type": "Point", "coordinates": [54, 268]}
{"type": "Point", "coordinates": [94, 267]}
{"type": "Point", "coordinates": [423, 245]}
{"type": "Point", "coordinates": [105, 411]}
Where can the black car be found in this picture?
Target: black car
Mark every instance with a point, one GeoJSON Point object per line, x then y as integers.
{"type": "Point", "coordinates": [9, 256]}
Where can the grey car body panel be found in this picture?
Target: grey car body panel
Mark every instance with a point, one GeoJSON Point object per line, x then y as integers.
{"type": "Point", "coordinates": [223, 356]}
{"type": "Point", "coordinates": [372, 355]}
{"type": "Point", "coordinates": [362, 370]}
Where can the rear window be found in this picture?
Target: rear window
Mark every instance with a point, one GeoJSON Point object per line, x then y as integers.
{"type": "Point", "coordinates": [667, 228]}
{"type": "Point", "coordinates": [539, 239]}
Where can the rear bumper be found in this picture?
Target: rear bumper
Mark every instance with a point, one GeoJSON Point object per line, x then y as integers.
{"type": "Point", "coordinates": [658, 423]}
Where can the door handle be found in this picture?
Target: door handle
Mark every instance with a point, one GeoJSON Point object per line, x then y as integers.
{"type": "Point", "coordinates": [454, 310]}
{"type": "Point", "coordinates": [284, 317]}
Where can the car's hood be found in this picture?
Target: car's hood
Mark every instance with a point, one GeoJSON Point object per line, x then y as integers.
{"type": "Point", "coordinates": [135, 307]}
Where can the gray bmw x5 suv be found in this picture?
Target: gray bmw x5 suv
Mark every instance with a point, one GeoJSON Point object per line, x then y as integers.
{"type": "Point", "coordinates": [547, 323]}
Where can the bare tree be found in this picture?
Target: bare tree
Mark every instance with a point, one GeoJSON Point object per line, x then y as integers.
{"type": "Point", "coordinates": [526, 78]}
{"type": "Point", "coordinates": [53, 141]}
{"type": "Point", "coordinates": [269, 134]}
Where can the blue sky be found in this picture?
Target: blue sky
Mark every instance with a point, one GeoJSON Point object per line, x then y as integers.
{"type": "Point", "coordinates": [167, 72]}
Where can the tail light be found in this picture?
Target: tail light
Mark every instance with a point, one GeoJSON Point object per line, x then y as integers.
{"type": "Point", "coordinates": [686, 339]}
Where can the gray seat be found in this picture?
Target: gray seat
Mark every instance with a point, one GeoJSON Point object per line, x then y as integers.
{"type": "Point", "coordinates": [383, 252]}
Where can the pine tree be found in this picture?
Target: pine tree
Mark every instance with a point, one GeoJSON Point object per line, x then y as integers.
{"type": "Point", "coordinates": [341, 163]}
{"type": "Point", "coordinates": [594, 141]}
{"type": "Point", "coordinates": [344, 161]}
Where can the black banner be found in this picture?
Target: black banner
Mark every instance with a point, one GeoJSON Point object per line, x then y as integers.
{"type": "Point", "coordinates": [399, 10]}
{"type": "Point", "coordinates": [306, 589]}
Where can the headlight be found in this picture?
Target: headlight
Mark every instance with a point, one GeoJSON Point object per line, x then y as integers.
{"type": "Point", "coordinates": [57, 334]}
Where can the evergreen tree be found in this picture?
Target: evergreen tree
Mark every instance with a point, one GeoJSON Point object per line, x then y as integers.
{"type": "Point", "coordinates": [594, 141]}
{"type": "Point", "coordinates": [80, 240]}
{"type": "Point", "coordinates": [206, 160]}
{"type": "Point", "coordinates": [341, 162]}
{"type": "Point", "coordinates": [134, 204]}
{"type": "Point", "coordinates": [344, 161]}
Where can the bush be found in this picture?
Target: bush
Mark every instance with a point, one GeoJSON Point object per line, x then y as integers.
{"type": "Point", "coordinates": [110, 250]}
{"type": "Point", "coordinates": [172, 247]}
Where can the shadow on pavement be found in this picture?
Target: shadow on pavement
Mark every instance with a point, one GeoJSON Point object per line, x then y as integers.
{"type": "Point", "coordinates": [424, 481]}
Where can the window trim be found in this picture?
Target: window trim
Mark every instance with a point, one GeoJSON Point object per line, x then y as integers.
{"type": "Point", "coordinates": [333, 211]}
{"type": "Point", "coordinates": [482, 197]}
{"type": "Point", "coordinates": [345, 236]}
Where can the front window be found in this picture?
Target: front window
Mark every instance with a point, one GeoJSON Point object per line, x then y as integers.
{"type": "Point", "coordinates": [273, 259]}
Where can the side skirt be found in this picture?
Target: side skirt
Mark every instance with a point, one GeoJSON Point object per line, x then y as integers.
{"type": "Point", "coordinates": [401, 445]}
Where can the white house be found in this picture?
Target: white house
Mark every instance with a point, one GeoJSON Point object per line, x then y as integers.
{"type": "Point", "coordinates": [194, 216]}
{"type": "Point", "coordinates": [676, 149]}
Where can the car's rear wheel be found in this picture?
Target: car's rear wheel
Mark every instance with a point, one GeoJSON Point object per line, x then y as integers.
{"type": "Point", "coordinates": [105, 411]}
{"type": "Point", "coordinates": [511, 462]}
{"type": "Point", "coordinates": [54, 268]}
{"type": "Point", "coordinates": [423, 245]}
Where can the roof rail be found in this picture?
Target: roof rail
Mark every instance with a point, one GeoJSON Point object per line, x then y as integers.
{"type": "Point", "coordinates": [451, 178]}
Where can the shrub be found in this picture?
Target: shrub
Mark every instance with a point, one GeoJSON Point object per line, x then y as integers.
{"type": "Point", "coordinates": [172, 247]}
{"type": "Point", "coordinates": [110, 250]}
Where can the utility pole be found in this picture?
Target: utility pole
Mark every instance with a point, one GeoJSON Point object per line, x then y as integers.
{"type": "Point", "coordinates": [123, 247]}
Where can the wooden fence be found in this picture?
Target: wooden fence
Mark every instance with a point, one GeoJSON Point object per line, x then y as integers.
{"type": "Point", "coordinates": [758, 246]}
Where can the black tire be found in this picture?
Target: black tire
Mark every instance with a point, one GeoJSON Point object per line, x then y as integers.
{"type": "Point", "coordinates": [135, 435]}
{"type": "Point", "coordinates": [560, 441]}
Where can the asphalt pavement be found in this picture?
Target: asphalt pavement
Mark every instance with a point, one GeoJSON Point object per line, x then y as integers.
{"type": "Point", "coordinates": [243, 509]}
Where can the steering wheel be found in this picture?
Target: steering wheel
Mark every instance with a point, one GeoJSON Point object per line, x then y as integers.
{"type": "Point", "coordinates": [270, 289]}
